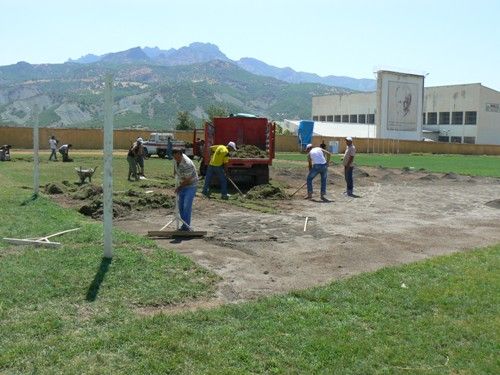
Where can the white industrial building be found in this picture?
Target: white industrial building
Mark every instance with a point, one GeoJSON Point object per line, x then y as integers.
{"type": "Point", "coordinates": [468, 113]}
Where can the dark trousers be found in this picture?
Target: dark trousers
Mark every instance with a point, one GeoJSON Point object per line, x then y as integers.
{"type": "Point", "coordinates": [348, 179]}
{"type": "Point", "coordinates": [53, 154]}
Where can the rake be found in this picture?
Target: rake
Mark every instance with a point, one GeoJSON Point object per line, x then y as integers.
{"type": "Point", "coordinates": [41, 241]}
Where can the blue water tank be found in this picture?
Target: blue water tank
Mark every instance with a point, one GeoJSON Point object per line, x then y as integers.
{"type": "Point", "coordinates": [305, 132]}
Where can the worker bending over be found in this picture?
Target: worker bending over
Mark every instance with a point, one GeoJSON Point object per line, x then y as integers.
{"type": "Point", "coordinates": [318, 160]}
{"type": "Point", "coordinates": [185, 173]}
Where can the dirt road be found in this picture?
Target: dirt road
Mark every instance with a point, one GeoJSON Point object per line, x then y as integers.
{"type": "Point", "coordinates": [400, 217]}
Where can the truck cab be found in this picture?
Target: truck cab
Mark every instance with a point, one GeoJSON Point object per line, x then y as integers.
{"type": "Point", "coordinates": [162, 144]}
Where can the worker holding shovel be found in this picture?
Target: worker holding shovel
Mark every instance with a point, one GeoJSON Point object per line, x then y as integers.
{"type": "Point", "coordinates": [185, 173]}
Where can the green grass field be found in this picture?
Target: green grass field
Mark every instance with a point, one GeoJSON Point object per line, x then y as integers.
{"type": "Point", "coordinates": [69, 311]}
{"type": "Point", "coordinates": [460, 164]}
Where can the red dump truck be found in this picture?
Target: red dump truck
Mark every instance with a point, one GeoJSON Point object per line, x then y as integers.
{"type": "Point", "coordinates": [243, 130]}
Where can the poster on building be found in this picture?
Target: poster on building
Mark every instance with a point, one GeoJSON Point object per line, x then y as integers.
{"type": "Point", "coordinates": [402, 106]}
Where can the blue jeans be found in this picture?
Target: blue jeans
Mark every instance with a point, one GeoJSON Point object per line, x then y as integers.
{"type": "Point", "coordinates": [219, 171]}
{"type": "Point", "coordinates": [316, 169]}
{"type": "Point", "coordinates": [185, 203]}
{"type": "Point", "coordinates": [53, 154]}
{"type": "Point", "coordinates": [348, 179]}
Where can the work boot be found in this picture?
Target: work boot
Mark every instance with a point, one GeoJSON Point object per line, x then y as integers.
{"type": "Point", "coordinates": [308, 196]}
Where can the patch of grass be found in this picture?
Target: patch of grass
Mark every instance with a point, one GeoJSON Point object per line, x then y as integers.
{"type": "Point", "coordinates": [68, 310]}
{"type": "Point", "coordinates": [471, 165]}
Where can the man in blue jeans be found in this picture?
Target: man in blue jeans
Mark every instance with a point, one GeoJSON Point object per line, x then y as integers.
{"type": "Point", "coordinates": [318, 160]}
{"type": "Point", "coordinates": [348, 160]}
{"type": "Point", "coordinates": [185, 173]}
{"type": "Point", "coordinates": [218, 167]}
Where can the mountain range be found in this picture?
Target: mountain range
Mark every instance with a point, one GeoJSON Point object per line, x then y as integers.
{"type": "Point", "coordinates": [204, 52]}
{"type": "Point", "coordinates": [151, 86]}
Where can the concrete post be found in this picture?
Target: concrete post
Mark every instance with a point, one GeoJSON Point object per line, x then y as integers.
{"type": "Point", "coordinates": [36, 147]}
{"type": "Point", "coordinates": [108, 168]}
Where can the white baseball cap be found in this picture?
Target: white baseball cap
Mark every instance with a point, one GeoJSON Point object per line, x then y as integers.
{"type": "Point", "coordinates": [348, 139]}
{"type": "Point", "coordinates": [309, 146]}
{"type": "Point", "coordinates": [140, 140]}
{"type": "Point", "coordinates": [232, 145]}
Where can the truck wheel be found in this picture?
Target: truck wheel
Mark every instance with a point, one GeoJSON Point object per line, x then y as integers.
{"type": "Point", "coordinates": [162, 154]}
{"type": "Point", "coordinates": [146, 153]}
{"type": "Point", "coordinates": [261, 175]}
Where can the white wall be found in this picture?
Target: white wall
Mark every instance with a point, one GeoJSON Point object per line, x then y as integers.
{"type": "Point", "coordinates": [489, 120]}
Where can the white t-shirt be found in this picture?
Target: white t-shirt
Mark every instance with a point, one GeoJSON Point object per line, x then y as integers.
{"type": "Point", "coordinates": [53, 144]}
{"type": "Point", "coordinates": [349, 151]}
{"type": "Point", "coordinates": [317, 156]}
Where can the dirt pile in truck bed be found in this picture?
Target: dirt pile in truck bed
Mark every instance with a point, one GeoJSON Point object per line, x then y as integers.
{"type": "Point", "coordinates": [248, 152]}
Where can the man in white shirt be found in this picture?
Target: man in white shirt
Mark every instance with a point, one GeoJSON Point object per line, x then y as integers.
{"type": "Point", "coordinates": [318, 160]}
{"type": "Point", "coordinates": [348, 160]}
{"type": "Point", "coordinates": [53, 148]}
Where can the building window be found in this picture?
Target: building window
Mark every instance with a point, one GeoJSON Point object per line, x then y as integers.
{"type": "Point", "coordinates": [432, 118]}
{"type": "Point", "coordinates": [329, 118]}
{"type": "Point", "coordinates": [423, 118]}
{"type": "Point", "coordinates": [471, 140]}
{"type": "Point", "coordinates": [362, 119]}
{"type": "Point", "coordinates": [337, 118]}
{"type": "Point", "coordinates": [444, 118]}
{"type": "Point", "coordinates": [353, 119]}
{"type": "Point", "coordinates": [371, 119]}
{"type": "Point", "coordinates": [315, 118]}
{"type": "Point", "coordinates": [457, 118]}
{"type": "Point", "coordinates": [443, 138]}
{"type": "Point", "coordinates": [470, 119]}
{"type": "Point", "coordinates": [345, 118]}
{"type": "Point", "coordinates": [456, 139]}
{"type": "Point", "coordinates": [321, 118]}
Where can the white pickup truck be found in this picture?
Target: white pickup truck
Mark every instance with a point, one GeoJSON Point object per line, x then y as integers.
{"type": "Point", "coordinates": [158, 144]}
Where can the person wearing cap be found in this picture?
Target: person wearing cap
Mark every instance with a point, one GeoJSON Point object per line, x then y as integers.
{"type": "Point", "coordinates": [139, 156]}
{"type": "Point", "coordinates": [187, 182]}
{"type": "Point", "coordinates": [218, 166]}
{"type": "Point", "coordinates": [318, 160]}
{"type": "Point", "coordinates": [348, 160]}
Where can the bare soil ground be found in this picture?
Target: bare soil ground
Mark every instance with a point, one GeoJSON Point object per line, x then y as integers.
{"type": "Point", "coordinates": [400, 217]}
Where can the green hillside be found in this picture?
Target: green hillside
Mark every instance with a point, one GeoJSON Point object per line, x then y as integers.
{"type": "Point", "coordinates": [145, 95]}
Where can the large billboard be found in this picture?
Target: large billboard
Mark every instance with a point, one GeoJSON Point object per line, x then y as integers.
{"type": "Point", "coordinates": [400, 105]}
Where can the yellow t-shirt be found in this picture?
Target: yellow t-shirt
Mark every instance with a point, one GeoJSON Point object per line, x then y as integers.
{"type": "Point", "coordinates": [220, 155]}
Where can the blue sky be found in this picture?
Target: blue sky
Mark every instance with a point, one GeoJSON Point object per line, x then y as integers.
{"type": "Point", "coordinates": [453, 41]}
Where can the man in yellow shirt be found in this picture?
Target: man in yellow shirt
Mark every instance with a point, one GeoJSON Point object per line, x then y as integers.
{"type": "Point", "coordinates": [218, 166]}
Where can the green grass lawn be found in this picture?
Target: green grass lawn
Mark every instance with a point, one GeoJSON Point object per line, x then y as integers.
{"type": "Point", "coordinates": [461, 164]}
{"type": "Point", "coordinates": [69, 311]}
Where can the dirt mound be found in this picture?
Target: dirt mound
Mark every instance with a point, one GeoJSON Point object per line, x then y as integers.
{"type": "Point", "coordinates": [450, 176]}
{"type": "Point", "coordinates": [249, 152]}
{"type": "Point", "coordinates": [494, 203]}
{"type": "Point", "coordinates": [87, 191]}
{"type": "Point", "coordinates": [429, 177]}
{"type": "Point", "coordinates": [266, 191]}
{"type": "Point", "coordinates": [358, 172]}
{"type": "Point", "coordinates": [155, 200]}
{"type": "Point", "coordinates": [54, 188]}
{"type": "Point", "coordinates": [94, 209]}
